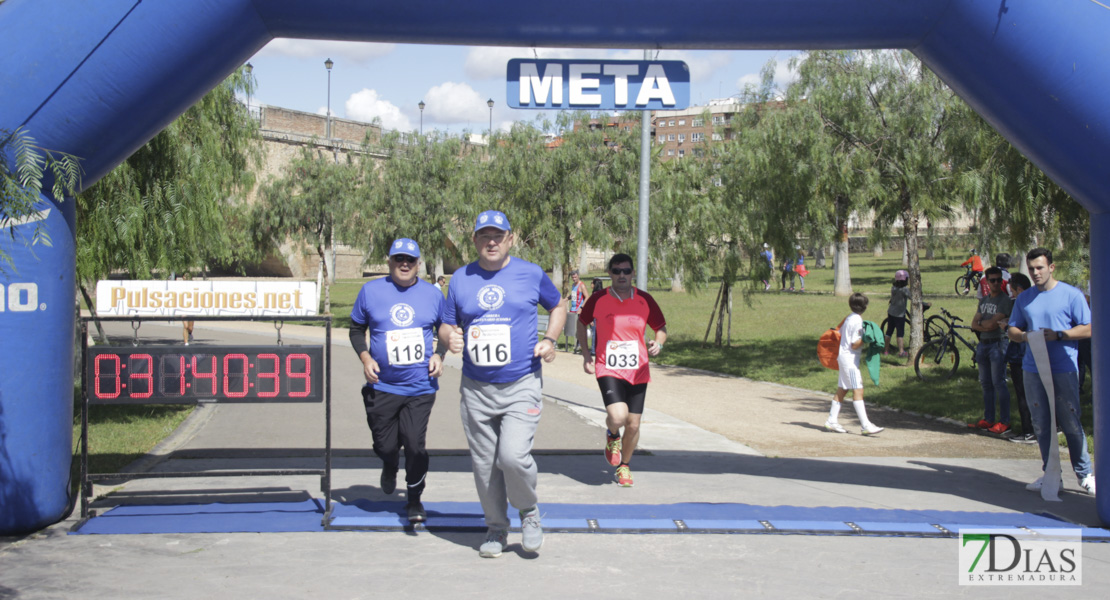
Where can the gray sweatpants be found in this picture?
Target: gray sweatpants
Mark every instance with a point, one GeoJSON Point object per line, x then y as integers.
{"type": "Point", "coordinates": [500, 421]}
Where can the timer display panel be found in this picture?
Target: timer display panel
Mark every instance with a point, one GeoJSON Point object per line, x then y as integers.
{"type": "Point", "coordinates": [185, 374]}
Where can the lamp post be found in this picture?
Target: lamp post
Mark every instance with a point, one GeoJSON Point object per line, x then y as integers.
{"type": "Point", "coordinates": [421, 105]}
{"type": "Point", "coordinates": [250, 69]}
{"type": "Point", "coordinates": [328, 65]}
{"type": "Point", "coordinates": [335, 156]}
{"type": "Point", "coordinates": [489, 103]}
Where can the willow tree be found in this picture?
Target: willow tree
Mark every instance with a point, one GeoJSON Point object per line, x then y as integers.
{"type": "Point", "coordinates": [1015, 203]}
{"type": "Point", "coordinates": [25, 167]}
{"type": "Point", "coordinates": [304, 205]}
{"type": "Point", "coordinates": [580, 189]}
{"type": "Point", "coordinates": [415, 192]}
{"type": "Point", "coordinates": [176, 203]}
{"type": "Point", "coordinates": [892, 112]}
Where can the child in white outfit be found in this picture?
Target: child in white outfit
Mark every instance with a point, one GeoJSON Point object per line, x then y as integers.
{"type": "Point", "coordinates": [850, 377]}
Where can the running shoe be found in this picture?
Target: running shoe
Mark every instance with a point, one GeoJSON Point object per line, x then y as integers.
{"type": "Point", "coordinates": [999, 428]}
{"type": "Point", "coordinates": [1088, 484]}
{"type": "Point", "coordinates": [624, 476]}
{"type": "Point", "coordinates": [613, 449]}
{"type": "Point", "coordinates": [531, 530]}
{"type": "Point", "coordinates": [416, 513]}
{"type": "Point", "coordinates": [871, 429]}
{"type": "Point", "coordinates": [834, 427]}
{"type": "Point", "coordinates": [389, 480]}
{"type": "Point", "coordinates": [982, 424]}
{"type": "Point", "coordinates": [496, 540]}
{"type": "Point", "coordinates": [1027, 438]}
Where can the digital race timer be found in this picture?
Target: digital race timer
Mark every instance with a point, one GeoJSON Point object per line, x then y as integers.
{"type": "Point", "coordinates": [170, 374]}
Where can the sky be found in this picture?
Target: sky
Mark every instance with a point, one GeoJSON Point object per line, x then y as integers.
{"type": "Point", "coordinates": [388, 81]}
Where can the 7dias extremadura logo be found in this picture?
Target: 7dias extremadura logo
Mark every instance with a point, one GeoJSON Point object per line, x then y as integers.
{"type": "Point", "coordinates": [1021, 557]}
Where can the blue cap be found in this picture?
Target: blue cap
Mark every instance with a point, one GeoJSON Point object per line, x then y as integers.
{"type": "Point", "coordinates": [493, 218]}
{"type": "Point", "coordinates": [404, 246]}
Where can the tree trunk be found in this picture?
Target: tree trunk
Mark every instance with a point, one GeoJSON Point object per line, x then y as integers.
{"type": "Point", "coordinates": [712, 313]}
{"type": "Point", "coordinates": [676, 282]}
{"type": "Point", "coordinates": [819, 257]}
{"type": "Point", "coordinates": [905, 255]}
{"type": "Point", "coordinates": [583, 264]}
{"type": "Point", "coordinates": [100, 335]}
{"type": "Point", "coordinates": [439, 267]}
{"type": "Point", "coordinates": [877, 251]}
{"type": "Point", "coordinates": [909, 232]}
{"type": "Point", "coordinates": [721, 309]}
{"type": "Point", "coordinates": [842, 278]}
{"type": "Point", "coordinates": [321, 250]}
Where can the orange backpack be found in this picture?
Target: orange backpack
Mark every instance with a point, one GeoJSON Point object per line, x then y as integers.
{"type": "Point", "coordinates": [828, 347]}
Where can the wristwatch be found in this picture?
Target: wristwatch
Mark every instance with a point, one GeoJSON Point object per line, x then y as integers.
{"type": "Point", "coordinates": [552, 340]}
{"type": "Point", "coordinates": [1061, 335]}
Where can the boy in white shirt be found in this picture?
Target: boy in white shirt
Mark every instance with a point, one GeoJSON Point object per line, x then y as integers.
{"type": "Point", "coordinates": [850, 377]}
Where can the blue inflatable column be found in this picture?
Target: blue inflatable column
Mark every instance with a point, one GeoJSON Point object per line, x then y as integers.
{"type": "Point", "coordinates": [1100, 356]}
{"type": "Point", "coordinates": [36, 370]}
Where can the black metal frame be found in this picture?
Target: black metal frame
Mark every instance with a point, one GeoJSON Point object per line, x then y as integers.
{"type": "Point", "coordinates": [87, 478]}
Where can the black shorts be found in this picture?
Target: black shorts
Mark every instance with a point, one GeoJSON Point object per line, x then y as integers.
{"type": "Point", "coordinates": [895, 326]}
{"type": "Point", "coordinates": [615, 390]}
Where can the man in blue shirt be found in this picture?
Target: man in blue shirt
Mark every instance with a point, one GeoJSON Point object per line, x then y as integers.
{"type": "Point", "coordinates": [491, 313]}
{"type": "Point", "coordinates": [1062, 313]}
{"type": "Point", "coordinates": [401, 312]}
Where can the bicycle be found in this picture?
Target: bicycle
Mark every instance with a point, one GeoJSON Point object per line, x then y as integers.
{"type": "Point", "coordinates": [935, 326]}
{"type": "Point", "coordinates": [939, 358]}
{"type": "Point", "coordinates": [968, 281]}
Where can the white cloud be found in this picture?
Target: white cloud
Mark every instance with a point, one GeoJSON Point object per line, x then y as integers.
{"type": "Point", "coordinates": [702, 64]}
{"type": "Point", "coordinates": [489, 62]}
{"type": "Point", "coordinates": [784, 75]}
{"type": "Point", "coordinates": [365, 104]}
{"type": "Point", "coordinates": [356, 52]}
{"type": "Point", "coordinates": [452, 102]}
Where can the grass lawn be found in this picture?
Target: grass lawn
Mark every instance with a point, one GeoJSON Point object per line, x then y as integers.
{"type": "Point", "coordinates": [122, 433]}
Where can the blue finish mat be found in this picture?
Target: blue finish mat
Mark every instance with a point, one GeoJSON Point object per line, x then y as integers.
{"type": "Point", "coordinates": [690, 517]}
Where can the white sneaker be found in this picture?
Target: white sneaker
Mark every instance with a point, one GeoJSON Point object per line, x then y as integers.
{"type": "Point", "coordinates": [1088, 484]}
{"type": "Point", "coordinates": [834, 427]}
{"type": "Point", "coordinates": [871, 429]}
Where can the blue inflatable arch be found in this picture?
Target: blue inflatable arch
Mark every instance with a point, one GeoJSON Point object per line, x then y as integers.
{"type": "Point", "coordinates": [99, 79]}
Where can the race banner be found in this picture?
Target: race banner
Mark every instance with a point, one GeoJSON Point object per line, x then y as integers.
{"type": "Point", "coordinates": [206, 298]}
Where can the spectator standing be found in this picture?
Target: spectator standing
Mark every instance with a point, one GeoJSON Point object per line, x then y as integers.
{"type": "Point", "coordinates": [1061, 313]}
{"type": "Point", "coordinates": [575, 299]}
{"type": "Point", "coordinates": [1015, 352]}
{"type": "Point", "coordinates": [896, 311]}
{"type": "Point", "coordinates": [990, 321]}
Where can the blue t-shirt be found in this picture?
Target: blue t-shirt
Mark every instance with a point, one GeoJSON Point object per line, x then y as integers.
{"type": "Point", "coordinates": [498, 314]}
{"type": "Point", "coordinates": [400, 321]}
{"type": "Point", "coordinates": [1062, 307]}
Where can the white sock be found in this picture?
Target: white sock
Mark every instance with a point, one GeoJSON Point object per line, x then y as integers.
{"type": "Point", "coordinates": [861, 412]}
{"type": "Point", "coordinates": [834, 411]}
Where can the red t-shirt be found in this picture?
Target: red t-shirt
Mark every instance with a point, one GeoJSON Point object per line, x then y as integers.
{"type": "Point", "coordinates": [621, 351]}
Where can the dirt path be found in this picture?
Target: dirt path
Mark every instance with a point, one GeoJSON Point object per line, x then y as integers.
{"type": "Point", "coordinates": [783, 421]}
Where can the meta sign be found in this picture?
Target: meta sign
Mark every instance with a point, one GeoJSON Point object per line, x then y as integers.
{"type": "Point", "coordinates": [598, 84]}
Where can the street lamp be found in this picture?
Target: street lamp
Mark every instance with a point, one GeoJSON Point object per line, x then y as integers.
{"type": "Point", "coordinates": [421, 105]}
{"type": "Point", "coordinates": [489, 103]}
{"type": "Point", "coordinates": [250, 69]}
{"type": "Point", "coordinates": [328, 65]}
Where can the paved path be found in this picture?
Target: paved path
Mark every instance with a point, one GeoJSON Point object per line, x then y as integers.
{"type": "Point", "coordinates": [708, 439]}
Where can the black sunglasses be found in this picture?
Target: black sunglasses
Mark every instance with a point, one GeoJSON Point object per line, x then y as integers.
{"type": "Point", "coordinates": [994, 279]}
{"type": "Point", "coordinates": [404, 258]}
{"type": "Point", "coordinates": [627, 271]}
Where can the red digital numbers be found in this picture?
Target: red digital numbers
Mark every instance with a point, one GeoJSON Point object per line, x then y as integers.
{"type": "Point", "coordinates": [273, 376]}
{"type": "Point", "coordinates": [220, 372]}
{"type": "Point", "coordinates": [305, 376]}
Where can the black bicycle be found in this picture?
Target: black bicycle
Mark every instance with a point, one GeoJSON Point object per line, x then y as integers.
{"type": "Point", "coordinates": [939, 358]}
{"type": "Point", "coordinates": [935, 326]}
{"type": "Point", "coordinates": [968, 281]}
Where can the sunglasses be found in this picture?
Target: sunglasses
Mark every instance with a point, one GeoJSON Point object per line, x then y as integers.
{"type": "Point", "coordinates": [994, 279]}
{"type": "Point", "coordinates": [627, 271]}
{"type": "Point", "coordinates": [403, 258]}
